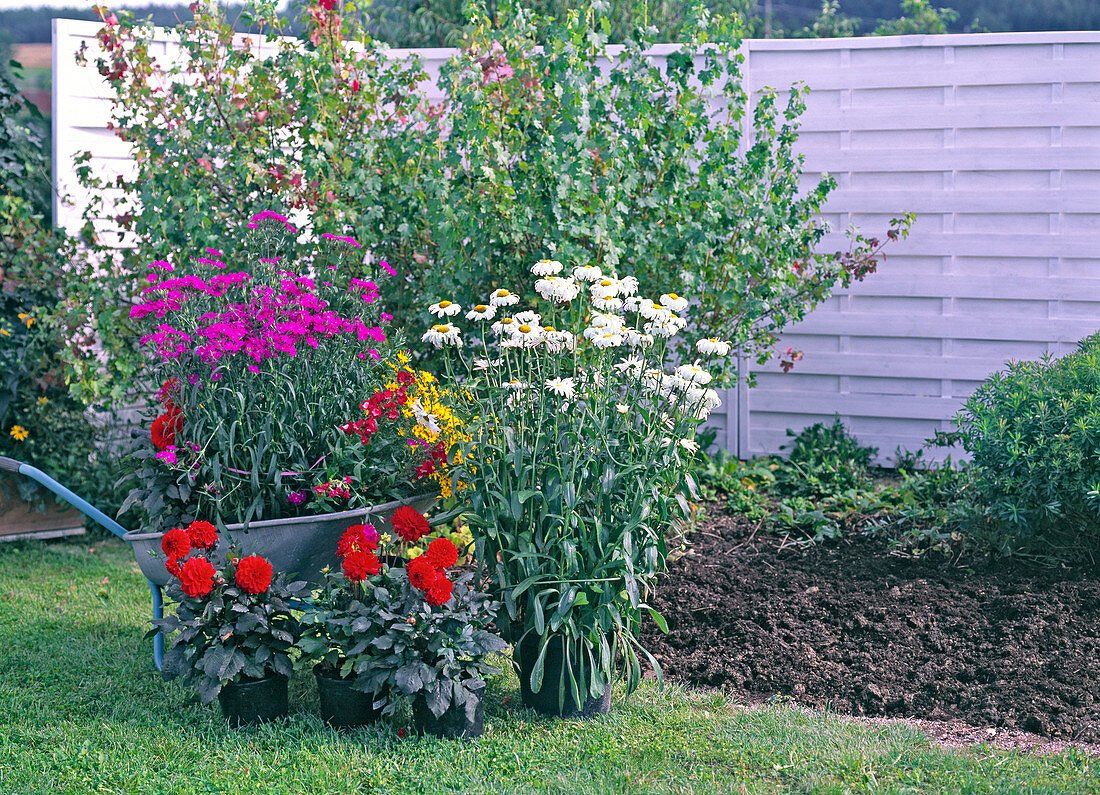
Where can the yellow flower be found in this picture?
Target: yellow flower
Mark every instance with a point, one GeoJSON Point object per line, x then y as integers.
{"type": "Point", "coordinates": [42, 401]}
{"type": "Point", "coordinates": [26, 318]}
{"type": "Point", "coordinates": [5, 332]}
{"type": "Point", "coordinates": [19, 432]}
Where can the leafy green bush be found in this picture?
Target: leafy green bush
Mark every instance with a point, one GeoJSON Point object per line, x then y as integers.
{"type": "Point", "coordinates": [1033, 431]}
{"type": "Point", "coordinates": [535, 149]}
{"type": "Point", "coordinates": [823, 461]}
{"type": "Point", "coordinates": [40, 423]}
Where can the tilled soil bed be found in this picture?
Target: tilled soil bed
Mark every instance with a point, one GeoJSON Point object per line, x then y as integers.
{"type": "Point", "coordinates": [850, 627]}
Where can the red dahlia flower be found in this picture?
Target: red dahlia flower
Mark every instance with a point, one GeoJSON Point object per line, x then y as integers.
{"type": "Point", "coordinates": [197, 577]}
{"type": "Point", "coordinates": [359, 565]}
{"type": "Point", "coordinates": [175, 543]}
{"type": "Point", "coordinates": [164, 429]}
{"type": "Point", "coordinates": [357, 537]}
{"type": "Point", "coordinates": [203, 535]}
{"type": "Point", "coordinates": [253, 574]}
{"type": "Point", "coordinates": [422, 574]}
{"type": "Point", "coordinates": [409, 523]}
{"type": "Point", "coordinates": [173, 566]}
{"type": "Point", "coordinates": [442, 553]}
{"type": "Point", "coordinates": [440, 591]}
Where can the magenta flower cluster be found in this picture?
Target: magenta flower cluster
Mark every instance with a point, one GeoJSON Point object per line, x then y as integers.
{"type": "Point", "coordinates": [253, 321]}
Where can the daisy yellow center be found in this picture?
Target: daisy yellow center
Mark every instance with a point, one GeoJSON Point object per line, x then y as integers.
{"type": "Point", "coordinates": [444, 304]}
{"type": "Point", "coordinates": [502, 293]}
{"type": "Point", "coordinates": [673, 296]}
{"type": "Point", "coordinates": [605, 283]}
{"type": "Point", "coordinates": [508, 321]}
{"type": "Point", "coordinates": [480, 308]}
{"type": "Point", "coordinates": [547, 328]}
{"type": "Point", "coordinates": [525, 329]}
{"type": "Point", "coordinates": [441, 328]}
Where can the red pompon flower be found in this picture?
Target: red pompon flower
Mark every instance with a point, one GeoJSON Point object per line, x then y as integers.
{"type": "Point", "coordinates": [422, 574]}
{"type": "Point", "coordinates": [173, 565]}
{"type": "Point", "coordinates": [426, 468]}
{"type": "Point", "coordinates": [442, 553]}
{"type": "Point", "coordinates": [165, 427]}
{"type": "Point", "coordinates": [253, 574]}
{"type": "Point", "coordinates": [197, 577]}
{"type": "Point", "coordinates": [359, 564]}
{"type": "Point", "coordinates": [327, 4]}
{"type": "Point", "coordinates": [357, 537]}
{"type": "Point", "coordinates": [409, 523]}
{"type": "Point", "coordinates": [405, 377]}
{"type": "Point", "coordinates": [203, 535]}
{"type": "Point", "coordinates": [168, 392]}
{"type": "Point", "coordinates": [175, 543]}
{"type": "Point", "coordinates": [440, 591]}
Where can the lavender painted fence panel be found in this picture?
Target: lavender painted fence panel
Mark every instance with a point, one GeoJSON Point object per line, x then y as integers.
{"type": "Point", "coordinates": [992, 139]}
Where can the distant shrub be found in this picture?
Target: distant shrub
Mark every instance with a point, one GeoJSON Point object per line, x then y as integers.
{"type": "Point", "coordinates": [825, 460]}
{"type": "Point", "coordinates": [1034, 433]}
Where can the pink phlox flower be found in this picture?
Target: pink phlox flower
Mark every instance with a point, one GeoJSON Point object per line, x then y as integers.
{"type": "Point", "coordinates": [161, 265]}
{"type": "Point", "coordinates": [217, 263]}
{"type": "Point", "coordinates": [387, 268]}
{"type": "Point", "coordinates": [255, 220]}
{"type": "Point", "coordinates": [271, 260]}
{"type": "Point", "coordinates": [350, 240]}
{"type": "Point", "coordinates": [168, 455]}
{"type": "Point", "coordinates": [213, 252]}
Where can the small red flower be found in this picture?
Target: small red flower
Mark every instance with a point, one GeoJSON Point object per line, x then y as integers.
{"type": "Point", "coordinates": [197, 577]}
{"type": "Point", "coordinates": [425, 469]}
{"type": "Point", "coordinates": [327, 4]}
{"type": "Point", "coordinates": [440, 591]}
{"type": "Point", "coordinates": [354, 85]}
{"type": "Point", "coordinates": [253, 574]}
{"type": "Point", "coordinates": [409, 523]}
{"type": "Point", "coordinates": [357, 537]}
{"type": "Point", "coordinates": [401, 733]}
{"type": "Point", "coordinates": [175, 543]}
{"type": "Point", "coordinates": [422, 574]}
{"type": "Point", "coordinates": [359, 565]}
{"type": "Point", "coordinates": [203, 535]}
{"type": "Point", "coordinates": [442, 553]}
{"type": "Point", "coordinates": [405, 377]}
{"type": "Point", "coordinates": [173, 566]}
{"type": "Point", "coordinates": [165, 427]}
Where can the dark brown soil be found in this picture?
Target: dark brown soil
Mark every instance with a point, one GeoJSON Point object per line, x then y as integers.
{"type": "Point", "coordinates": [1001, 643]}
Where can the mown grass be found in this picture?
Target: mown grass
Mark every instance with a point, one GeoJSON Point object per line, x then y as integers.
{"type": "Point", "coordinates": [82, 711]}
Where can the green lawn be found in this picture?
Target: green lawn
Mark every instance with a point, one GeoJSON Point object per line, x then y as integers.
{"type": "Point", "coordinates": [82, 710]}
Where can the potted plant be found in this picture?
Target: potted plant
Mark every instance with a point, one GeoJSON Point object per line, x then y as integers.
{"type": "Point", "coordinates": [379, 633]}
{"type": "Point", "coordinates": [287, 411]}
{"type": "Point", "coordinates": [233, 629]}
{"type": "Point", "coordinates": [582, 471]}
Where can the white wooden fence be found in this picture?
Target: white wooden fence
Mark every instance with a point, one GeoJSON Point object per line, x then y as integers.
{"type": "Point", "coordinates": [993, 140]}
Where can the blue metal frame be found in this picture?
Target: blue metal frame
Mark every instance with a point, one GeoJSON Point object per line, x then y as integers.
{"type": "Point", "coordinates": [92, 512]}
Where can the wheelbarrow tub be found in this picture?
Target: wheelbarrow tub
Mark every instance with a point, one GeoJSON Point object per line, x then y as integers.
{"type": "Point", "coordinates": [301, 546]}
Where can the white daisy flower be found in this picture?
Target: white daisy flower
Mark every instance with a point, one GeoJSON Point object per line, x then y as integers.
{"type": "Point", "coordinates": [605, 288]}
{"type": "Point", "coordinates": [637, 339]}
{"type": "Point", "coordinates": [482, 312]}
{"type": "Point", "coordinates": [713, 346]}
{"type": "Point", "coordinates": [511, 342]}
{"type": "Point", "coordinates": [607, 304]}
{"type": "Point", "coordinates": [607, 321]}
{"type": "Point", "coordinates": [486, 364]}
{"type": "Point", "coordinates": [649, 310]}
{"type": "Point", "coordinates": [445, 309]}
{"type": "Point", "coordinates": [555, 288]}
{"type": "Point", "coordinates": [674, 302]}
{"type": "Point", "coordinates": [633, 365]}
{"type": "Point", "coordinates": [608, 340]}
{"type": "Point", "coordinates": [701, 402]}
{"type": "Point", "coordinates": [558, 341]}
{"type": "Point", "coordinates": [690, 445]}
{"type": "Point", "coordinates": [443, 334]}
{"type": "Point", "coordinates": [694, 374]}
{"type": "Point", "coordinates": [633, 303]}
{"type": "Point", "coordinates": [503, 298]}
{"type": "Point", "coordinates": [628, 285]}
{"type": "Point", "coordinates": [528, 317]}
{"type": "Point", "coordinates": [505, 325]}
{"type": "Point", "coordinates": [546, 267]}
{"type": "Point", "coordinates": [588, 273]}
{"type": "Point", "coordinates": [515, 385]}
{"type": "Point", "coordinates": [673, 384]}
{"type": "Point", "coordinates": [563, 387]}
{"type": "Point", "coordinates": [663, 329]}
{"type": "Point", "coordinates": [622, 408]}
{"type": "Point", "coordinates": [425, 419]}
{"type": "Point", "coordinates": [529, 336]}
{"type": "Point", "coordinates": [652, 379]}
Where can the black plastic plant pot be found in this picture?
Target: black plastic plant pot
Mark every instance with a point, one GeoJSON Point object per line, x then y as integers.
{"type": "Point", "coordinates": [452, 724]}
{"type": "Point", "coordinates": [342, 706]}
{"type": "Point", "coordinates": [257, 701]}
{"type": "Point", "coordinates": [546, 699]}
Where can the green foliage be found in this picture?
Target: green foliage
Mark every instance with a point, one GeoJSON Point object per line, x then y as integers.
{"type": "Point", "coordinates": [829, 24]}
{"type": "Point", "coordinates": [1033, 431]}
{"type": "Point", "coordinates": [40, 423]}
{"type": "Point", "coordinates": [230, 634]}
{"type": "Point", "coordinates": [399, 647]}
{"type": "Point", "coordinates": [533, 150]}
{"type": "Point", "coordinates": [829, 487]}
{"type": "Point", "coordinates": [918, 16]}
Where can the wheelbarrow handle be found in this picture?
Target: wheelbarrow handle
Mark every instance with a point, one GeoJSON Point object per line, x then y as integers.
{"type": "Point", "coordinates": [82, 505]}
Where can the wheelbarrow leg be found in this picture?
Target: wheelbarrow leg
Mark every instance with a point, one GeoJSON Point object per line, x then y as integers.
{"type": "Point", "coordinates": [158, 639]}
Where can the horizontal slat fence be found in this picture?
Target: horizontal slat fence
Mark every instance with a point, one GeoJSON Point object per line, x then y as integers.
{"type": "Point", "coordinates": [993, 140]}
